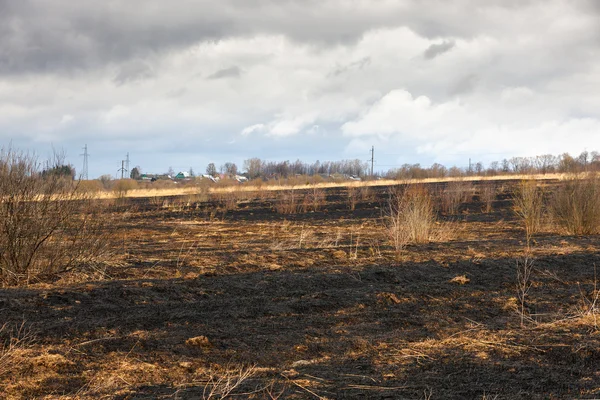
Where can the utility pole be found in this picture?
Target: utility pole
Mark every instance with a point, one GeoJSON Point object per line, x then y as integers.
{"type": "Point", "coordinates": [84, 172]}
{"type": "Point", "coordinates": [122, 169]}
{"type": "Point", "coordinates": [372, 159]}
{"type": "Point", "coordinates": [127, 162]}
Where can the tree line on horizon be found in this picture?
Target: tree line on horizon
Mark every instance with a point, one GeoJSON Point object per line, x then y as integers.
{"type": "Point", "coordinates": [255, 168]}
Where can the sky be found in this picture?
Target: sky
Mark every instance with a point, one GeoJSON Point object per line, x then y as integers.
{"type": "Point", "coordinates": [183, 83]}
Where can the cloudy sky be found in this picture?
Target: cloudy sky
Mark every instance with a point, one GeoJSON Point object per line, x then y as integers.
{"type": "Point", "coordinates": [182, 83]}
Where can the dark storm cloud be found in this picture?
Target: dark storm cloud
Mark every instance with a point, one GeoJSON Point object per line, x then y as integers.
{"type": "Point", "coordinates": [231, 72]}
{"type": "Point", "coordinates": [439, 48]}
{"type": "Point", "coordinates": [41, 36]}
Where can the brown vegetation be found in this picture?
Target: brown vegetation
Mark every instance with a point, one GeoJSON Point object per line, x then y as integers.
{"type": "Point", "coordinates": [313, 303]}
{"type": "Point", "coordinates": [575, 206]}
{"type": "Point", "coordinates": [47, 226]}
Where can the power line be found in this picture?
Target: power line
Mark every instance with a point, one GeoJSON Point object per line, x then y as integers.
{"type": "Point", "coordinates": [372, 158]}
{"type": "Point", "coordinates": [122, 169]}
{"type": "Point", "coordinates": [84, 172]}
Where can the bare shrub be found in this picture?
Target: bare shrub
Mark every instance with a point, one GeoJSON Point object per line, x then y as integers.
{"type": "Point", "coordinates": [575, 206]}
{"type": "Point", "coordinates": [410, 217]}
{"type": "Point", "coordinates": [528, 205]}
{"type": "Point", "coordinates": [453, 195]}
{"type": "Point", "coordinates": [487, 196]}
{"type": "Point", "coordinates": [46, 225]}
{"type": "Point", "coordinates": [313, 200]}
{"type": "Point", "coordinates": [91, 186]}
{"type": "Point", "coordinates": [123, 186]}
{"type": "Point", "coordinates": [287, 202]}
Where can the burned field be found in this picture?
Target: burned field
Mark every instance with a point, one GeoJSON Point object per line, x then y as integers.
{"type": "Point", "coordinates": [242, 295]}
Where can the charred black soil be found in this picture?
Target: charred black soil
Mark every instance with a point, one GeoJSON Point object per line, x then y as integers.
{"type": "Point", "coordinates": [311, 304]}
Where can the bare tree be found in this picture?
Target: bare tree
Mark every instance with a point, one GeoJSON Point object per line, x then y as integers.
{"type": "Point", "coordinates": [211, 170]}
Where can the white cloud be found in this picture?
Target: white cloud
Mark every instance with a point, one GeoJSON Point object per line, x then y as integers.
{"type": "Point", "coordinates": [252, 128]}
{"type": "Point", "coordinates": [465, 77]}
{"type": "Point", "coordinates": [116, 113]}
{"type": "Point", "coordinates": [66, 119]}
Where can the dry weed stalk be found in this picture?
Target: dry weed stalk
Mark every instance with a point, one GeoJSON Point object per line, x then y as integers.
{"type": "Point", "coordinates": [353, 197]}
{"type": "Point", "coordinates": [528, 205]}
{"type": "Point", "coordinates": [366, 194]}
{"type": "Point", "coordinates": [575, 206]}
{"type": "Point", "coordinates": [487, 196]}
{"type": "Point", "coordinates": [524, 283]}
{"type": "Point", "coordinates": [222, 384]}
{"type": "Point", "coordinates": [313, 200]}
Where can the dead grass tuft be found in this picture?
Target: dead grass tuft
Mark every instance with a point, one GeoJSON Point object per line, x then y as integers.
{"type": "Point", "coordinates": [460, 279]}
{"type": "Point", "coordinates": [410, 217]}
{"type": "Point", "coordinates": [575, 206]}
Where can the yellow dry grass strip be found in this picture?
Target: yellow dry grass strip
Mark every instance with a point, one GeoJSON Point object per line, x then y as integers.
{"type": "Point", "coordinates": [180, 191]}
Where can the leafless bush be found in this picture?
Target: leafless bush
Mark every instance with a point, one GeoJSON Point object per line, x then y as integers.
{"type": "Point", "coordinates": [287, 202]}
{"type": "Point", "coordinates": [313, 200]}
{"type": "Point", "coordinates": [575, 206]}
{"type": "Point", "coordinates": [46, 225]}
{"type": "Point", "coordinates": [528, 205]}
{"type": "Point", "coordinates": [487, 196]}
{"type": "Point", "coordinates": [123, 186]}
{"type": "Point", "coordinates": [410, 217]}
{"type": "Point", "coordinates": [453, 195]}
{"type": "Point", "coordinates": [91, 186]}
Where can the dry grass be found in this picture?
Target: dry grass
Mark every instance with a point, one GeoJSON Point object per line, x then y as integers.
{"type": "Point", "coordinates": [575, 206]}
{"type": "Point", "coordinates": [12, 341]}
{"type": "Point", "coordinates": [317, 305]}
{"type": "Point", "coordinates": [353, 196]}
{"type": "Point", "coordinates": [176, 189]}
{"type": "Point", "coordinates": [524, 284]}
{"type": "Point", "coordinates": [313, 200]}
{"type": "Point", "coordinates": [287, 202]}
{"type": "Point", "coordinates": [454, 195]}
{"type": "Point", "coordinates": [487, 196]}
{"type": "Point", "coordinates": [410, 217]}
{"type": "Point", "coordinates": [224, 382]}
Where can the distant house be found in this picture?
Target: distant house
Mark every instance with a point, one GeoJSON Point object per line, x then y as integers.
{"type": "Point", "coordinates": [241, 179]}
{"type": "Point", "coordinates": [182, 175]}
{"type": "Point", "coordinates": [212, 178]}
